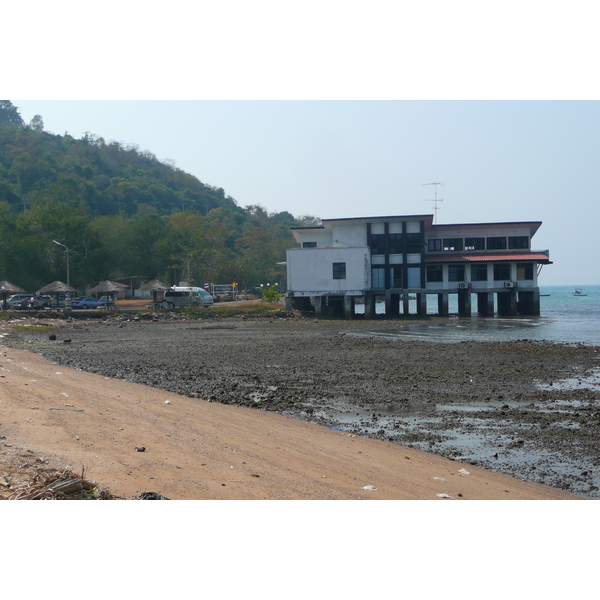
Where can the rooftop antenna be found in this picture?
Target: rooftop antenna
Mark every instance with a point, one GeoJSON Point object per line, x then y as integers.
{"type": "Point", "coordinates": [435, 199]}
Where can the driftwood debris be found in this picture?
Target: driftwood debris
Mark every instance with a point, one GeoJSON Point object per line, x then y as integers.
{"type": "Point", "coordinates": [58, 485]}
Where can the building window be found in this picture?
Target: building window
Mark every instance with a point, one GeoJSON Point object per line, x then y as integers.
{"type": "Point", "coordinates": [456, 272]}
{"type": "Point", "coordinates": [414, 277]}
{"type": "Point", "coordinates": [502, 272]}
{"type": "Point", "coordinates": [453, 244]}
{"type": "Point", "coordinates": [396, 276]}
{"type": "Point", "coordinates": [378, 278]}
{"type": "Point", "coordinates": [476, 243]}
{"type": "Point", "coordinates": [496, 243]}
{"type": "Point", "coordinates": [519, 242]}
{"type": "Point", "coordinates": [525, 271]}
{"type": "Point", "coordinates": [395, 243]}
{"type": "Point", "coordinates": [339, 270]}
{"type": "Point", "coordinates": [309, 244]}
{"type": "Point", "coordinates": [479, 273]}
{"type": "Point", "coordinates": [434, 245]}
{"type": "Point", "coordinates": [413, 243]}
{"type": "Point", "coordinates": [434, 273]}
{"type": "Point", "coordinates": [378, 243]}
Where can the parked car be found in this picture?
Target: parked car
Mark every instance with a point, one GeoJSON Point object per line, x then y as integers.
{"type": "Point", "coordinates": [187, 296]}
{"type": "Point", "coordinates": [86, 302]}
{"type": "Point", "coordinates": [61, 301]}
{"type": "Point", "coordinates": [108, 300]}
{"type": "Point", "coordinates": [18, 301]}
{"type": "Point", "coordinates": [42, 301]}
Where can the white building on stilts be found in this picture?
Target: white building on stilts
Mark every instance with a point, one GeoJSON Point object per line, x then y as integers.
{"type": "Point", "coordinates": [402, 259]}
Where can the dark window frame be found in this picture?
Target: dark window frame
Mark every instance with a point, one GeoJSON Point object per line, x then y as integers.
{"type": "Point", "coordinates": [396, 276]}
{"type": "Point", "coordinates": [414, 243]}
{"type": "Point", "coordinates": [378, 243]}
{"type": "Point", "coordinates": [518, 242]}
{"type": "Point", "coordinates": [496, 243]}
{"type": "Point", "coordinates": [502, 271]}
{"type": "Point", "coordinates": [380, 277]}
{"type": "Point", "coordinates": [473, 244]}
{"type": "Point", "coordinates": [395, 243]}
{"type": "Point", "coordinates": [434, 274]}
{"type": "Point", "coordinates": [525, 272]}
{"type": "Point", "coordinates": [434, 245]}
{"type": "Point", "coordinates": [309, 244]}
{"type": "Point", "coordinates": [339, 270]}
{"type": "Point", "coordinates": [456, 272]}
{"type": "Point", "coordinates": [477, 271]}
{"type": "Point", "coordinates": [453, 244]}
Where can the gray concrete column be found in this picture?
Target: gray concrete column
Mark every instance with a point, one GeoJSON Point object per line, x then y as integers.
{"type": "Point", "coordinates": [422, 304]}
{"type": "Point", "coordinates": [319, 302]}
{"type": "Point", "coordinates": [464, 303]}
{"type": "Point", "coordinates": [485, 303]}
{"type": "Point", "coordinates": [443, 309]}
{"type": "Point", "coordinates": [369, 305]}
{"type": "Point", "coordinates": [348, 307]}
{"type": "Point", "coordinates": [388, 303]}
{"type": "Point", "coordinates": [395, 308]}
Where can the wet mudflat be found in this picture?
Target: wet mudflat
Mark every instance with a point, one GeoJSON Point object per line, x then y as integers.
{"type": "Point", "coordinates": [530, 409]}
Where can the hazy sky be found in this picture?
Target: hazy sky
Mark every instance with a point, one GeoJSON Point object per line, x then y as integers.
{"type": "Point", "coordinates": [497, 160]}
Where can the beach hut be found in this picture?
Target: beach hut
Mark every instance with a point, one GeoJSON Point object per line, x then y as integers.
{"type": "Point", "coordinates": [109, 288]}
{"type": "Point", "coordinates": [57, 288]}
{"type": "Point", "coordinates": [155, 286]}
{"type": "Point", "coordinates": [8, 288]}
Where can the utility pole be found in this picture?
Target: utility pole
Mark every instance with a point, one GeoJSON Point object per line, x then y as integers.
{"type": "Point", "coordinates": [435, 200]}
{"type": "Point", "coordinates": [68, 273]}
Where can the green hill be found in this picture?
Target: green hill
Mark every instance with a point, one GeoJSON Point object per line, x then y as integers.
{"type": "Point", "coordinates": [122, 213]}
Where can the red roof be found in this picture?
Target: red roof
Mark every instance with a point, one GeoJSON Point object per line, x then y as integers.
{"type": "Point", "coordinates": [446, 257]}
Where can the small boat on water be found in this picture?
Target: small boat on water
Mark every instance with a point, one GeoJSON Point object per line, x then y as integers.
{"type": "Point", "coordinates": [578, 293]}
{"type": "Point", "coordinates": [544, 295]}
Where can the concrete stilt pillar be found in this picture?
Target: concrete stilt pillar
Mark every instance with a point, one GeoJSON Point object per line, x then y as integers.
{"type": "Point", "coordinates": [464, 303]}
{"type": "Point", "coordinates": [319, 302]}
{"type": "Point", "coordinates": [507, 303]}
{"type": "Point", "coordinates": [395, 305]}
{"type": "Point", "coordinates": [421, 304]}
{"type": "Point", "coordinates": [485, 303]}
{"type": "Point", "coordinates": [369, 305]}
{"type": "Point", "coordinates": [443, 309]}
{"type": "Point", "coordinates": [529, 302]}
{"type": "Point", "coordinates": [388, 303]}
{"type": "Point", "coordinates": [348, 307]}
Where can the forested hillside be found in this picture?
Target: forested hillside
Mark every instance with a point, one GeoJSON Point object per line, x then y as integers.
{"type": "Point", "coordinates": [122, 213]}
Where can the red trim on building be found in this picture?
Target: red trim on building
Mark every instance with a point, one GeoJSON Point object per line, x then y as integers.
{"type": "Point", "coordinates": [538, 257]}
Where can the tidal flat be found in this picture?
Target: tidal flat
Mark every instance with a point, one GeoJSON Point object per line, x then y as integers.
{"type": "Point", "coordinates": [530, 409]}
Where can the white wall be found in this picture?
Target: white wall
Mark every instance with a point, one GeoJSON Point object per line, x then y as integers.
{"type": "Point", "coordinates": [310, 270]}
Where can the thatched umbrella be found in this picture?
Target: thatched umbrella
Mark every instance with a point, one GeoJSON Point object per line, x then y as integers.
{"type": "Point", "coordinates": [57, 288]}
{"type": "Point", "coordinates": [154, 286]}
{"type": "Point", "coordinates": [6, 288]}
{"type": "Point", "coordinates": [107, 287]}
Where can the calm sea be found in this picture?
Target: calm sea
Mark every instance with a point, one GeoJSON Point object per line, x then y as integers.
{"type": "Point", "coordinates": [564, 318]}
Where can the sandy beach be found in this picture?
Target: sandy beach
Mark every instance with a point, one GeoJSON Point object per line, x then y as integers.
{"type": "Point", "coordinates": [52, 416]}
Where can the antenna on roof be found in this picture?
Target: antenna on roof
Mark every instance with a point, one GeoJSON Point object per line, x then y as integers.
{"type": "Point", "coordinates": [435, 200]}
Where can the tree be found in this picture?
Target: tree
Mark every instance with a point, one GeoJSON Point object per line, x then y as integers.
{"type": "Point", "coordinates": [9, 113]}
{"type": "Point", "coordinates": [37, 123]}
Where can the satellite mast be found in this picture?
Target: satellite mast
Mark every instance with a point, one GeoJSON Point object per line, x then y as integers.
{"type": "Point", "coordinates": [435, 200]}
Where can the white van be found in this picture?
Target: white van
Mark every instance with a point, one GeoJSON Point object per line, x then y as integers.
{"type": "Point", "coordinates": [182, 297]}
